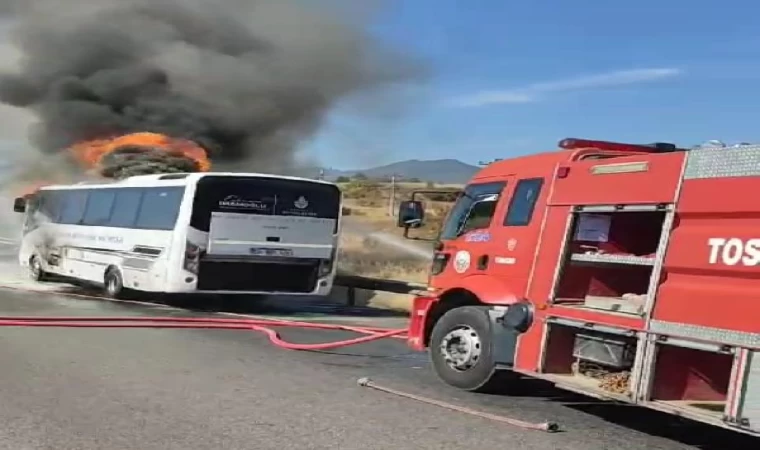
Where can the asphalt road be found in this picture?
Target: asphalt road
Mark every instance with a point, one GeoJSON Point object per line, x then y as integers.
{"type": "Point", "coordinates": [199, 389]}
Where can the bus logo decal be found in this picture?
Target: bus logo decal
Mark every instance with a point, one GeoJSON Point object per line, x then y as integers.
{"type": "Point", "coordinates": [233, 201]}
{"type": "Point", "coordinates": [301, 203]}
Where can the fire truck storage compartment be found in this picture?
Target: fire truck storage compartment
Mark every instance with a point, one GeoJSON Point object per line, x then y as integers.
{"type": "Point", "coordinates": [691, 378]}
{"type": "Point", "coordinates": [591, 359]}
{"type": "Point", "coordinates": [609, 258]}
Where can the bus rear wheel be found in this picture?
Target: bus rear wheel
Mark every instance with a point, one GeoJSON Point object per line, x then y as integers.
{"type": "Point", "coordinates": [36, 272]}
{"type": "Point", "coordinates": [113, 284]}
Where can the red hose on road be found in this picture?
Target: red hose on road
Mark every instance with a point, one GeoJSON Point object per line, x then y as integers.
{"type": "Point", "coordinates": [265, 326]}
{"type": "Point", "coordinates": [260, 325]}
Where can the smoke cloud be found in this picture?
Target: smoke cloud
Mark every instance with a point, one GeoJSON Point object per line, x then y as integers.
{"type": "Point", "coordinates": [248, 80]}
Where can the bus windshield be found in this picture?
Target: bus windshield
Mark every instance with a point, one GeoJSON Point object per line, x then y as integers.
{"type": "Point", "coordinates": [263, 196]}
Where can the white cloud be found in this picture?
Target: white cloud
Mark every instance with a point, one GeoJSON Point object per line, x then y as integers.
{"type": "Point", "coordinates": [533, 92]}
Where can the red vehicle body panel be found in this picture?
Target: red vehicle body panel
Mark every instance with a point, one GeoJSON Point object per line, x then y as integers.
{"type": "Point", "coordinates": [694, 287]}
{"type": "Point", "coordinates": [700, 283]}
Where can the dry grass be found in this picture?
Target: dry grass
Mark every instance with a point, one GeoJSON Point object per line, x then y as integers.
{"type": "Point", "coordinates": [363, 256]}
{"type": "Point", "coordinates": [368, 204]}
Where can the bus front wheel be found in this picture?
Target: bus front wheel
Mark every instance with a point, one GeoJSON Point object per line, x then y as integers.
{"type": "Point", "coordinates": [113, 284]}
{"type": "Point", "coordinates": [36, 272]}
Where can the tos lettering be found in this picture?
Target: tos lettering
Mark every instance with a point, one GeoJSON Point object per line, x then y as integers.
{"type": "Point", "coordinates": [733, 251]}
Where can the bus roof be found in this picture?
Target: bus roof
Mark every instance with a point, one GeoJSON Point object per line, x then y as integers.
{"type": "Point", "coordinates": [174, 179]}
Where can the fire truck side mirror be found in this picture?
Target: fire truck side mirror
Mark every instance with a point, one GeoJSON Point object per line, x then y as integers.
{"type": "Point", "coordinates": [411, 214]}
{"type": "Point", "coordinates": [19, 205]}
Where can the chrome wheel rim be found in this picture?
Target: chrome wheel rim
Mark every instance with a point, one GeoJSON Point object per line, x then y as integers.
{"type": "Point", "coordinates": [461, 348]}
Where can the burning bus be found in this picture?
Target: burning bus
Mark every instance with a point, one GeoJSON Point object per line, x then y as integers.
{"type": "Point", "coordinates": [154, 219]}
{"type": "Point", "coordinates": [206, 232]}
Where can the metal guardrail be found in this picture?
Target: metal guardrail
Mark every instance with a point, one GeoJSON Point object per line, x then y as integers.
{"type": "Point", "coordinates": [354, 282]}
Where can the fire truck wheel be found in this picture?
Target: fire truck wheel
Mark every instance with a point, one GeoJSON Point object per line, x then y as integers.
{"type": "Point", "coordinates": [460, 349]}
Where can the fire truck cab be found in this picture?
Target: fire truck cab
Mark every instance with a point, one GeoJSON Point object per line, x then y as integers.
{"type": "Point", "coordinates": [624, 272]}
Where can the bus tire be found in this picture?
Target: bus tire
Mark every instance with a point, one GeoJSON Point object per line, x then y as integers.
{"type": "Point", "coordinates": [113, 284]}
{"type": "Point", "coordinates": [36, 272]}
{"type": "Point", "coordinates": [461, 349]}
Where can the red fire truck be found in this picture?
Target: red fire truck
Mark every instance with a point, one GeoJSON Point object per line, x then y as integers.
{"type": "Point", "coordinates": [624, 272]}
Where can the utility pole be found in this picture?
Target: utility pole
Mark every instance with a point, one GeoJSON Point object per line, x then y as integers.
{"type": "Point", "coordinates": [392, 197]}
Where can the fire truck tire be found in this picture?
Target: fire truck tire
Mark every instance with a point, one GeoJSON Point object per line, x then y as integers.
{"type": "Point", "coordinates": [461, 349]}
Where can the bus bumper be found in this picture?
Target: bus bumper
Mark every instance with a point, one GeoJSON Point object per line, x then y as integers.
{"type": "Point", "coordinates": [322, 288]}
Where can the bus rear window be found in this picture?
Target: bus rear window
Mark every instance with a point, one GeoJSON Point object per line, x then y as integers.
{"type": "Point", "coordinates": [265, 196]}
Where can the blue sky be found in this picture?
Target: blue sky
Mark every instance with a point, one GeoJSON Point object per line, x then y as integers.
{"type": "Point", "coordinates": [514, 77]}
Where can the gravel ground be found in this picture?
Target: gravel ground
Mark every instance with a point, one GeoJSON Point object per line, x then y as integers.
{"type": "Point", "coordinates": [200, 389]}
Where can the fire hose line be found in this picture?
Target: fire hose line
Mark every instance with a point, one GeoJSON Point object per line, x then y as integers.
{"type": "Point", "coordinates": [267, 321]}
{"type": "Point", "coordinates": [259, 325]}
{"type": "Point", "coordinates": [264, 326]}
{"type": "Point", "coordinates": [550, 427]}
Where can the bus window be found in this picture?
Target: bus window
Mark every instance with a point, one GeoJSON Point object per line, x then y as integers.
{"type": "Point", "coordinates": [99, 206]}
{"type": "Point", "coordinates": [32, 214]}
{"type": "Point", "coordinates": [263, 196]}
{"type": "Point", "coordinates": [73, 204]}
{"type": "Point", "coordinates": [49, 206]}
{"type": "Point", "coordinates": [126, 205]}
{"type": "Point", "coordinates": [159, 208]}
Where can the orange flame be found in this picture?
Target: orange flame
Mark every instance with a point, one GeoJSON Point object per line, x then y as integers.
{"type": "Point", "coordinates": [29, 188]}
{"type": "Point", "coordinates": [90, 153]}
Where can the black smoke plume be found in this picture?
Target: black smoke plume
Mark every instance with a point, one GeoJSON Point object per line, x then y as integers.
{"type": "Point", "coordinates": [248, 80]}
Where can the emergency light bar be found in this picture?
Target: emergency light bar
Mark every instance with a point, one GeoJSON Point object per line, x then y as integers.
{"type": "Point", "coordinates": [658, 147]}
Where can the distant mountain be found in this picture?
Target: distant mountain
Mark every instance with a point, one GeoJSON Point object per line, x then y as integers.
{"type": "Point", "coordinates": [438, 171]}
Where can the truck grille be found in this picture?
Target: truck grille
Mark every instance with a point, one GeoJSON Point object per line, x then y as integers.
{"type": "Point", "coordinates": [248, 276]}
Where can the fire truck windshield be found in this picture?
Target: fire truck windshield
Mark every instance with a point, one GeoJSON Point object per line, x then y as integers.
{"type": "Point", "coordinates": [473, 210]}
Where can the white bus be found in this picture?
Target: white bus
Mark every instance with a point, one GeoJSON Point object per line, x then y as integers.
{"type": "Point", "coordinates": [221, 233]}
